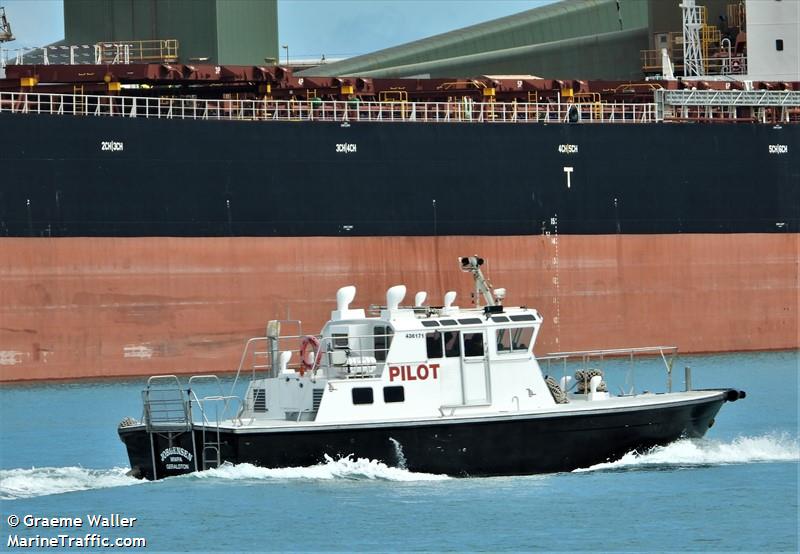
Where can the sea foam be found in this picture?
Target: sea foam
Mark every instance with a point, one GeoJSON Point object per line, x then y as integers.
{"type": "Point", "coordinates": [705, 452]}
{"type": "Point", "coordinates": [348, 468]}
{"type": "Point", "coordinates": [42, 481]}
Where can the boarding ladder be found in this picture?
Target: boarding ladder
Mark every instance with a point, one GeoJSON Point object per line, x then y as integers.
{"type": "Point", "coordinates": [211, 444]}
{"type": "Point", "coordinates": [169, 410]}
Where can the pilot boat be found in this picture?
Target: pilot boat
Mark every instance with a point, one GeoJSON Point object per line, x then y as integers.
{"type": "Point", "coordinates": [437, 389]}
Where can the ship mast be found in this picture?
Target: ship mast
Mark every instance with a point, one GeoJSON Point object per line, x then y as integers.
{"type": "Point", "coordinates": [693, 20]}
{"type": "Point", "coordinates": [5, 27]}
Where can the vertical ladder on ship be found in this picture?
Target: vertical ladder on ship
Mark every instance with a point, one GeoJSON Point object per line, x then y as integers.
{"type": "Point", "coordinates": [167, 413]}
{"type": "Point", "coordinates": [211, 443]}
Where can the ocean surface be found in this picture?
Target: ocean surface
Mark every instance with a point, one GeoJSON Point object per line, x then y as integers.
{"type": "Point", "coordinates": [735, 490]}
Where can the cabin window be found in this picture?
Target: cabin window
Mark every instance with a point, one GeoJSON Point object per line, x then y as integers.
{"type": "Point", "coordinates": [470, 321]}
{"type": "Point", "coordinates": [393, 394]}
{"type": "Point", "coordinates": [523, 317]}
{"type": "Point", "coordinates": [340, 340]}
{"type": "Point", "coordinates": [383, 340]}
{"type": "Point", "coordinates": [362, 395]}
{"type": "Point", "coordinates": [514, 339]}
{"type": "Point", "coordinates": [447, 321]}
{"type": "Point", "coordinates": [500, 319]}
{"type": "Point", "coordinates": [779, 44]}
{"type": "Point", "coordinates": [433, 342]}
{"type": "Point", "coordinates": [473, 345]}
{"type": "Point", "coordinates": [430, 323]}
{"type": "Point", "coordinates": [452, 346]}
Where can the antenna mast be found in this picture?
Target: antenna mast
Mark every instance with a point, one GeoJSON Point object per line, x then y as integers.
{"type": "Point", "coordinates": [472, 264]}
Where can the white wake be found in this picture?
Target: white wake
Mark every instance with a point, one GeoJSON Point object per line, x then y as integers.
{"type": "Point", "coordinates": [704, 452]}
{"type": "Point", "coordinates": [42, 481]}
{"type": "Point", "coordinates": [342, 468]}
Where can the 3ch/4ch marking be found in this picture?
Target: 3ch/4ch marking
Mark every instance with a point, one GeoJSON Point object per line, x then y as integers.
{"type": "Point", "coordinates": [346, 148]}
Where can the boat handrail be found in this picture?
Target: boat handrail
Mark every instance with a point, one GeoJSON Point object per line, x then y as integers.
{"type": "Point", "coordinates": [266, 354]}
{"type": "Point", "coordinates": [359, 365]}
{"type": "Point", "coordinates": [361, 360]}
{"type": "Point", "coordinates": [609, 351]}
{"type": "Point", "coordinates": [153, 380]}
{"type": "Point", "coordinates": [165, 406]}
{"type": "Point", "coordinates": [243, 359]}
{"type": "Point", "coordinates": [584, 357]}
{"type": "Point", "coordinates": [422, 312]}
{"type": "Point", "coordinates": [228, 400]}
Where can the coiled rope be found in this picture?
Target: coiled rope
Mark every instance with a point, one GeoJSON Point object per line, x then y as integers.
{"type": "Point", "coordinates": [583, 376]}
{"type": "Point", "coordinates": [128, 422]}
{"type": "Point", "coordinates": [558, 395]}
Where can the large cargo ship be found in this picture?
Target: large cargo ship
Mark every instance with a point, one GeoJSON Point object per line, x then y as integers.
{"type": "Point", "coordinates": [152, 214]}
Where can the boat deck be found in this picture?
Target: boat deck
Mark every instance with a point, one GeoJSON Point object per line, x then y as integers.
{"type": "Point", "coordinates": [577, 405]}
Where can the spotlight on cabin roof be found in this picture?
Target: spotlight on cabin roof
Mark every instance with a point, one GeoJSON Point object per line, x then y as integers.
{"type": "Point", "coordinates": [469, 263]}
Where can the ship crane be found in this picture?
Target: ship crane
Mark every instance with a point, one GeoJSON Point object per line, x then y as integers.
{"type": "Point", "coordinates": [5, 27]}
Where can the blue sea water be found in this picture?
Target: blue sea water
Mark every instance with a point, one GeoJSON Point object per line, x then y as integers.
{"type": "Point", "coordinates": [735, 490]}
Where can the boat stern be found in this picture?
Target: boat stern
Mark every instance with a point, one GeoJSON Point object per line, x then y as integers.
{"type": "Point", "coordinates": [155, 455]}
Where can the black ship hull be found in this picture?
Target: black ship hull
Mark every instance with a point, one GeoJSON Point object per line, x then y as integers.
{"type": "Point", "coordinates": [175, 237]}
{"type": "Point", "coordinates": [122, 176]}
{"type": "Point", "coordinates": [500, 445]}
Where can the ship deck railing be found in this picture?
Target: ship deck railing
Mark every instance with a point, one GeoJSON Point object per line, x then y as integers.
{"type": "Point", "coordinates": [331, 111]}
{"type": "Point", "coordinates": [101, 53]}
{"type": "Point", "coordinates": [763, 106]}
{"type": "Point", "coordinates": [563, 364]}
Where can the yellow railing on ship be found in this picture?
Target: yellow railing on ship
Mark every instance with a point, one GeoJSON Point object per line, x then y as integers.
{"type": "Point", "coordinates": [130, 51]}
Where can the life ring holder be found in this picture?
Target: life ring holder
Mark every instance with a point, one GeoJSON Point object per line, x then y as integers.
{"type": "Point", "coordinates": [310, 353]}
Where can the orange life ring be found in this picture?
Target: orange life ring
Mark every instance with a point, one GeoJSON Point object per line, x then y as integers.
{"type": "Point", "coordinates": [310, 353]}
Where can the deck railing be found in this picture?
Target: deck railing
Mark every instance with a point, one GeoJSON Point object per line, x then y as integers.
{"type": "Point", "coordinates": [671, 105]}
{"type": "Point", "coordinates": [101, 53]}
{"type": "Point", "coordinates": [567, 362]}
{"type": "Point", "coordinates": [317, 110]}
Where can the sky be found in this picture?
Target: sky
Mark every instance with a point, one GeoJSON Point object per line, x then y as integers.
{"type": "Point", "coordinates": [311, 28]}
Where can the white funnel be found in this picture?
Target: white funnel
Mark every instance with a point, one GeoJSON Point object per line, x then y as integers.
{"type": "Point", "coordinates": [449, 298]}
{"type": "Point", "coordinates": [394, 296]}
{"type": "Point", "coordinates": [344, 296]}
{"type": "Point", "coordinates": [419, 298]}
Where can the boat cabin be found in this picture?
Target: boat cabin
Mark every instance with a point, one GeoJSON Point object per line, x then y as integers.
{"type": "Point", "coordinates": [405, 362]}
